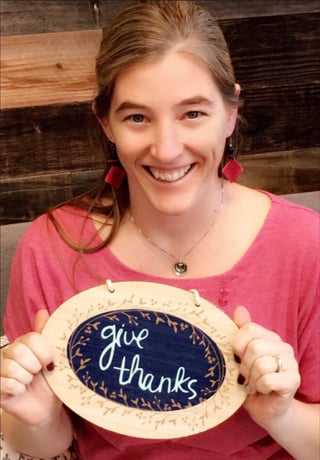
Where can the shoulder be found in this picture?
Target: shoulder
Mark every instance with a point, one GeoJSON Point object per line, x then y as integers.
{"type": "Point", "coordinates": [290, 205]}
{"type": "Point", "coordinates": [298, 220]}
{"type": "Point", "coordinates": [292, 232]}
{"type": "Point", "coordinates": [279, 211]}
{"type": "Point", "coordinates": [48, 228]}
{"type": "Point", "coordinates": [282, 225]}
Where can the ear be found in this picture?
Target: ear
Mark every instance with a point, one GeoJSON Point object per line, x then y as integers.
{"type": "Point", "coordinates": [233, 112]}
{"type": "Point", "coordinates": [104, 122]}
{"type": "Point", "coordinates": [237, 89]}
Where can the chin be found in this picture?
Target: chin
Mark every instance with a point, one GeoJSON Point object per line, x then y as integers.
{"type": "Point", "coordinates": [172, 207]}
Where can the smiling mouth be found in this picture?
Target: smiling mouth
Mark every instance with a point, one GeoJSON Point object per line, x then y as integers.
{"type": "Point", "coordinates": [169, 176]}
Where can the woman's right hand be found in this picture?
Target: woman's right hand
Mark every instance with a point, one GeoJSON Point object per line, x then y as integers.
{"type": "Point", "coordinates": [25, 393]}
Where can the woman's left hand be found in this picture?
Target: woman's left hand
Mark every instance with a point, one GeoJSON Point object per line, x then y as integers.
{"type": "Point", "coordinates": [268, 369]}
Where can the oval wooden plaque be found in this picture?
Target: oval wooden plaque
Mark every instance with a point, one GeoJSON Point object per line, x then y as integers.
{"type": "Point", "coordinates": [145, 360]}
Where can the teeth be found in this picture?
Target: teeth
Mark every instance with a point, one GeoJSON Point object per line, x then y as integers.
{"type": "Point", "coordinates": [170, 177]}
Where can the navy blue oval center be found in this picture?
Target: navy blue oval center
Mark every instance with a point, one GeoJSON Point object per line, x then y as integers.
{"type": "Point", "coordinates": [146, 359]}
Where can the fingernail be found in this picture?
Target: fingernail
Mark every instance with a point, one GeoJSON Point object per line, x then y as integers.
{"type": "Point", "coordinates": [50, 366]}
{"type": "Point", "coordinates": [237, 359]}
{"type": "Point", "coordinates": [241, 379]}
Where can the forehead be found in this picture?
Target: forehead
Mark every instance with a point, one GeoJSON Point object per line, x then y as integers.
{"type": "Point", "coordinates": [175, 77]}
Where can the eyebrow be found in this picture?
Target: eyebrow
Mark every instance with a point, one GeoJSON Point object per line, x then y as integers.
{"type": "Point", "coordinates": [200, 100]}
{"type": "Point", "coordinates": [130, 105]}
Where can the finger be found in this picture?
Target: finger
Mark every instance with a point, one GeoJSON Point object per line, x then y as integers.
{"type": "Point", "coordinates": [12, 369]}
{"type": "Point", "coordinates": [11, 387]}
{"type": "Point", "coordinates": [249, 334]}
{"type": "Point", "coordinates": [21, 353]}
{"type": "Point", "coordinates": [40, 320]}
{"type": "Point", "coordinates": [286, 383]}
{"type": "Point", "coordinates": [31, 351]}
{"type": "Point", "coordinates": [241, 316]}
{"type": "Point", "coordinates": [262, 366]}
{"type": "Point", "coordinates": [264, 348]}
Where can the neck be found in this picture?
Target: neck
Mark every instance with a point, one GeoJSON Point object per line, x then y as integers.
{"type": "Point", "coordinates": [181, 229]}
{"type": "Point", "coordinates": [179, 249]}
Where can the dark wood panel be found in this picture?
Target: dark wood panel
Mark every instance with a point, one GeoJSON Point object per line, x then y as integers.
{"type": "Point", "coordinates": [229, 9]}
{"type": "Point", "coordinates": [270, 51]}
{"type": "Point", "coordinates": [41, 16]}
{"type": "Point", "coordinates": [44, 140]}
{"type": "Point", "coordinates": [283, 172]}
{"type": "Point", "coordinates": [281, 118]}
{"type": "Point", "coordinates": [20, 17]}
{"type": "Point", "coordinates": [25, 198]}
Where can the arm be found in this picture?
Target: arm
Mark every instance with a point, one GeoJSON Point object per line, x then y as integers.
{"type": "Point", "coordinates": [34, 421]}
{"type": "Point", "coordinates": [298, 430]}
{"type": "Point", "coordinates": [47, 439]}
{"type": "Point", "coordinates": [270, 402]}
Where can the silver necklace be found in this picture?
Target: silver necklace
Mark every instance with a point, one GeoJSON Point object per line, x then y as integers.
{"type": "Point", "coordinates": [180, 267]}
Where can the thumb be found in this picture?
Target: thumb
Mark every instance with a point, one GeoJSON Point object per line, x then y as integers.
{"type": "Point", "coordinates": [241, 316]}
{"type": "Point", "coordinates": [40, 320]}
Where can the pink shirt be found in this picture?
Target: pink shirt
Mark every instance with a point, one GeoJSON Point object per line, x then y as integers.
{"type": "Point", "coordinates": [277, 280]}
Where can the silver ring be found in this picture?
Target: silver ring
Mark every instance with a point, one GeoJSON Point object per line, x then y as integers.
{"type": "Point", "coordinates": [280, 366]}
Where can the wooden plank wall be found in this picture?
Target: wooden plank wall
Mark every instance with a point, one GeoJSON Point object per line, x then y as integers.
{"type": "Point", "coordinates": [48, 50]}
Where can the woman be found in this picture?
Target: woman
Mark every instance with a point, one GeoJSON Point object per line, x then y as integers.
{"type": "Point", "coordinates": [167, 113]}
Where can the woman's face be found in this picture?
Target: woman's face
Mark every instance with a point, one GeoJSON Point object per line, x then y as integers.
{"type": "Point", "coordinates": [170, 124]}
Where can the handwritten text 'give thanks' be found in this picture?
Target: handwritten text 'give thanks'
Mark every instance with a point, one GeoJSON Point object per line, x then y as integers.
{"type": "Point", "coordinates": [131, 371]}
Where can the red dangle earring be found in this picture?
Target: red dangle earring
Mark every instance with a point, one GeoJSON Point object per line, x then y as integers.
{"type": "Point", "coordinates": [116, 173]}
{"type": "Point", "coordinates": [232, 169]}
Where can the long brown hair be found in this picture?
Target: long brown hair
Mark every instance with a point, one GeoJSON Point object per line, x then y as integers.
{"type": "Point", "coordinates": [147, 31]}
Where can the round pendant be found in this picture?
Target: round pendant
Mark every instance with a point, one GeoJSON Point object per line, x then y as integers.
{"type": "Point", "coordinates": [180, 268]}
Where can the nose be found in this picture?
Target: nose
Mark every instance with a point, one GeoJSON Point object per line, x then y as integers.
{"type": "Point", "coordinates": [166, 144]}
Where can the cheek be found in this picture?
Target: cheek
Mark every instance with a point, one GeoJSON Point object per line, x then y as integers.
{"type": "Point", "coordinates": [128, 149]}
{"type": "Point", "coordinates": [212, 143]}
{"type": "Point", "coordinates": [126, 138]}
{"type": "Point", "coordinates": [214, 153]}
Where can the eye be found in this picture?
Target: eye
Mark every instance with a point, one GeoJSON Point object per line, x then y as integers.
{"type": "Point", "coordinates": [137, 118]}
{"type": "Point", "coordinates": [193, 114]}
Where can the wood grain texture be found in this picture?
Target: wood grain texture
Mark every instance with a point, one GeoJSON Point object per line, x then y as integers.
{"type": "Point", "coordinates": [46, 140]}
{"type": "Point", "coordinates": [282, 172]}
{"type": "Point", "coordinates": [50, 68]}
{"type": "Point", "coordinates": [21, 17]}
{"type": "Point", "coordinates": [23, 199]}
{"type": "Point", "coordinates": [271, 51]}
{"type": "Point", "coordinates": [281, 118]}
{"type": "Point", "coordinates": [59, 67]}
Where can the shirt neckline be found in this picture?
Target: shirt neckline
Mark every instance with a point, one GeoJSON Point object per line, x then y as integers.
{"type": "Point", "coordinates": [237, 270]}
